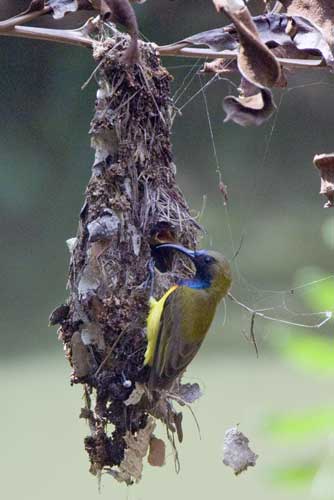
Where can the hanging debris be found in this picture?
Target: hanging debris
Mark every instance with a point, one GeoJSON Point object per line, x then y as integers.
{"type": "Point", "coordinates": [237, 453]}
{"type": "Point", "coordinates": [325, 164]}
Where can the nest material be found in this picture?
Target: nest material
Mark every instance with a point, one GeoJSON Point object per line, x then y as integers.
{"type": "Point", "coordinates": [132, 193]}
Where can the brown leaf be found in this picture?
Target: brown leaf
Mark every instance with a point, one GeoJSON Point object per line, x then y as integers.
{"type": "Point", "coordinates": [237, 453]}
{"type": "Point", "coordinates": [131, 466]}
{"type": "Point", "coordinates": [220, 66]}
{"type": "Point", "coordinates": [59, 315]}
{"type": "Point", "coordinates": [250, 108]}
{"type": "Point", "coordinates": [325, 163]}
{"type": "Point", "coordinates": [121, 11]}
{"type": "Point", "coordinates": [135, 395]}
{"type": "Point", "coordinates": [157, 453]}
{"type": "Point", "coordinates": [295, 36]}
{"type": "Point", "coordinates": [320, 12]}
{"type": "Point", "coordinates": [81, 359]}
{"type": "Point", "coordinates": [255, 61]}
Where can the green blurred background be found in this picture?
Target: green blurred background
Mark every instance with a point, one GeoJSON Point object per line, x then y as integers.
{"type": "Point", "coordinates": [283, 400]}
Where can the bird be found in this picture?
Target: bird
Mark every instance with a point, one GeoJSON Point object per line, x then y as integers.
{"type": "Point", "coordinates": [178, 322]}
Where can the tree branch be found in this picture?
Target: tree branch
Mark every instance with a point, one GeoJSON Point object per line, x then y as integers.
{"type": "Point", "coordinates": [195, 52]}
{"type": "Point", "coordinates": [23, 18]}
{"type": "Point", "coordinates": [69, 37]}
{"type": "Point", "coordinates": [76, 37]}
{"type": "Point", "coordinates": [13, 27]}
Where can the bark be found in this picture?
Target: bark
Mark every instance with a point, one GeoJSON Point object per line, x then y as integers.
{"type": "Point", "coordinates": [132, 202]}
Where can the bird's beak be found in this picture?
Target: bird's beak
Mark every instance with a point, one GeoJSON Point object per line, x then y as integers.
{"type": "Point", "coordinates": [190, 253]}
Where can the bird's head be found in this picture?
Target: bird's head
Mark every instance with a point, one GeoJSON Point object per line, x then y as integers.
{"type": "Point", "coordinates": [212, 268]}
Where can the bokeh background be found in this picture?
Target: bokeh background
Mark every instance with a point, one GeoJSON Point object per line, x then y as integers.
{"type": "Point", "coordinates": [284, 399]}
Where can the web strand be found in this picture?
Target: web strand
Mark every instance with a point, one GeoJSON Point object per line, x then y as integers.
{"type": "Point", "coordinates": [282, 295]}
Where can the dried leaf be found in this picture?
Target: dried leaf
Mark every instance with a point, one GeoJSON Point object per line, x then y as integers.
{"type": "Point", "coordinates": [59, 315]}
{"type": "Point", "coordinates": [229, 5]}
{"type": "Point", "coordinates": [237, 453]}
{"type": "Point", "coordinates": [320, 12]}
{"type": "Point", "coordinates": [157, 453]}
{"type": "Point", "coordinates": [255, 61]}
{"type": "Point", "coordinates": [121, 11]}
{"type": "Point", "coordinates": [89, 281]}
{"type": "Point", "coordinates": [81, 359]}
{"type": "Point", "coordinates": [162, 410]}
{"type": "Point", "coordinates": [274, 31]}
{"type": "Point", "coordinates": [103, 228]}
{"type": "Point", "coordinates": [71, 243]}
{"type": "Point", "coordinates": [325, 163]}
{"type": "Point", "coordinates": [220, 66]}
{"type": "Point", "coordinates": [308, 37]}
{"type": "Point", "coordinates": [249, 110]}
{"type": "Point", "coordinates": [217, 39]}
{"type": "Point", "coordinates": [135, 395]}
{"type": "Point", "coordinates": [92, 335]}
{"type": "Point", "coordinates": [62, 7]}
{"type": "Point", "coordinates": [178, 417]}
{"type": "Point", "coordinates": [131, 468]}
{"type": "Point", "coordinates": [189, 392]}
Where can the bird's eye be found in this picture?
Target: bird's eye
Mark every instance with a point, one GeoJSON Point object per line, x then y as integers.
{"type": "Point", "coordinates": [208, 259]}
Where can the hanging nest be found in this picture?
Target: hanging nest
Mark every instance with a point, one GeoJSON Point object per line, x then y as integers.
{"type": "Point", "coordinates": [132, 203]}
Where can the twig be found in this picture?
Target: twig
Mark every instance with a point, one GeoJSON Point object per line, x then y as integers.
{"type": "Point", "coordinates": [13, 27]}
{"type": "Point", "coordinates": [236, 253]}
{"type": "Point", "coordinates": [254, 313]}
{"type": "Point", "coordinates": [23, 18]}
{"type": "Point", "coordinates": [87, 82]}
{"type": "Point", "coordinates": [328, 315]}
{"type": "Point", "coordinates": [69, 37]}
{"type": "Point", "coordinates": [187, 405]}
{"type": "Point", "coordinates": [112, 348]}
{"type": "Point", "coordinates": [252, 334]}
{"type": "Point", "coordinates": [181, 51]}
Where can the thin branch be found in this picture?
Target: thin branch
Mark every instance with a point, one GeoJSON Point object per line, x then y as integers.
{"type": "Point", "coordinates": [12, 27]}
{"type": "Point", "coordinates": [112, 348]}
{"type": "Point", "coordinates": [69, 37]}
{"type": "Point", "coordinates": [23, 18]}
{"type": "Point", "coordinates": [328, 315]}
{"type": "Point", "coordinates": [182, 51]}
{"type": "Point", "coordinates": [252, 334]}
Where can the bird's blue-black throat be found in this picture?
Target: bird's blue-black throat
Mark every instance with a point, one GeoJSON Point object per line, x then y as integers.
{"type": "Point", "coordinates": [202, 261]}
{"type": "Point", "coordinates": [200, 281]}
{"type": "Point", "coordinates": [197, 283]}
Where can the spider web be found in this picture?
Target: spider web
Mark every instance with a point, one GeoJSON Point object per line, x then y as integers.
{"type": "Point", "coordinates": [284, 306]}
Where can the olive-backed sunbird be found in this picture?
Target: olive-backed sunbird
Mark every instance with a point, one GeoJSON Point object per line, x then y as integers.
{"type": "Point", "coordinates": [177, 323]}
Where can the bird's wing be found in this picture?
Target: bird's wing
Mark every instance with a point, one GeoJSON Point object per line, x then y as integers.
{"type": "Point", "coordinates": [175, 348]}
